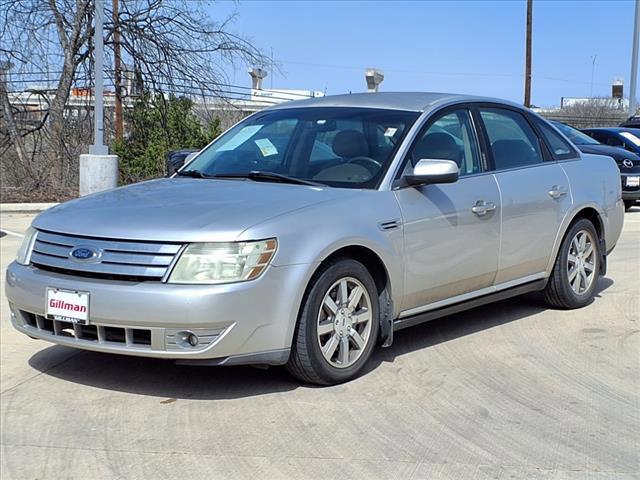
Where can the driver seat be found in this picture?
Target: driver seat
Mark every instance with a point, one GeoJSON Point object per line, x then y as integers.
{"type": "Point", "coordinates": [349, 144]}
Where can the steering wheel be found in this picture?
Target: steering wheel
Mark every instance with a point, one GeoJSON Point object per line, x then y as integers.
{"type": "Point", "coordinates": [366, 162]}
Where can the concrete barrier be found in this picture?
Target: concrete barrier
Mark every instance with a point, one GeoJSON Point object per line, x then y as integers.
{"type": "Point", "coordinates": [98, 173]}
{"type": "Point", "coordinates": [25, 207]}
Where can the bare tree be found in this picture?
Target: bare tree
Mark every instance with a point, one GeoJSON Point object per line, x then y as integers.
{"type": "Point", "coordinates": [172, 45]}
{"type": "Point", "coordinates": [594, 112]}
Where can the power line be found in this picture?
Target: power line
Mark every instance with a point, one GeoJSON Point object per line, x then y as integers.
{"type": "Point", "coordinates": [218, 94]}
{"type": "Point", "coordinates": [397, 70]}
{"type": "Point", "coordinates": [195, 90]}
{"type": "Point", "coordinates": [184, 82]}
{"type": "Point", "coordinates": [440, 73]}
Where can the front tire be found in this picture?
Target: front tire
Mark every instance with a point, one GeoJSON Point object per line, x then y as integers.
{"type": "Point", "coordinates": [338, 324]}
{"type": "Point", "coordinates": [575, 273]}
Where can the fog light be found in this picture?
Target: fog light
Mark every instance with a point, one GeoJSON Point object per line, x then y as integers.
{"type": "Point", "coordinates": [192, 339]}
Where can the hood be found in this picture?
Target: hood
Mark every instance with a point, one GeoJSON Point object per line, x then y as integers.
{"type": "Point", "coordinates": [617, 153]}
{"type": "Point", "coordinates": [181, 209]}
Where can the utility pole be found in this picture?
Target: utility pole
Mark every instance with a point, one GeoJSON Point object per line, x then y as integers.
{"type": "Point", "coordinates": [117, 64]}
{"type": "Point", "coordinates": [271, 68]}
{"type": "Point", "coordinates": [634, 61]}
{"type": "Point", "coordinates": [527, 67]}
{"type": "Point", "coordinates": [5, 109]}
{"type": "Point", "coordinates": [98, 147]}
{"type": "Point", "coordinates": [593, 69]}
{"type": "Point", "coordinates": [98, 169]}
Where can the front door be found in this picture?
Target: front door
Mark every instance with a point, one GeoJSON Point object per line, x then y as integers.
{"type": "Point", "coordinates": [451, 231]}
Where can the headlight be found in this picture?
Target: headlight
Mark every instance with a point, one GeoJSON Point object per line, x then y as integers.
{"type": "Point", "coordinates": [223, 262]}
{"type": "Point", "coordinates": [24, 252]}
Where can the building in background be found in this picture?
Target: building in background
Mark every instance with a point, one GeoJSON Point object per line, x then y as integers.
{"type": "Point", "coordinates": [615, 101]}
{"type": "Point", "coordinates": [233, 101]}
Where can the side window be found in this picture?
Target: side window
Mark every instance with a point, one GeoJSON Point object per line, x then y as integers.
{"type": "Point", "coordinates": [596, 136]}
{"type": "Point", "coordinates": [558, 145]}
{"type": "Point", "coordinates": [614, 141]}
{"type": "Point", "coordinates": [513, 141]}
{"type": "Point", "coordinates": [450, 137]}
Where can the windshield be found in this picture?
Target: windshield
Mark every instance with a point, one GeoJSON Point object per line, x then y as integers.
{"type": "Point", "coordinates": [576, 136]}
{"type": "Point", "coordinates": [340, 147]}
{"type": "Point", "coordinates": [631, 137]}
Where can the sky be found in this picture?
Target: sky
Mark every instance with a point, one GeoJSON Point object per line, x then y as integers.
{"type": "Point", "coordinates": [474, 47]}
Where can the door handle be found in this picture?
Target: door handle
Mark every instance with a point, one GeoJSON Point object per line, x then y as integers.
{"type": "Point", "coordinates": [557, 191]}
{"type": "Point", "coordinates": [482, 208]}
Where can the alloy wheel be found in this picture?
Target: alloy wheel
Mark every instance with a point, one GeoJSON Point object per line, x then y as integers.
{"type": "Point", "coordinates": [581, 262]}
{"type": "Point", "coordinates": [344, 322]}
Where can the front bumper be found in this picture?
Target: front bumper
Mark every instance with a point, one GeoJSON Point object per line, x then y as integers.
{"type": "Point", "coordinates": [249, 322]}
{"type": "Point", "coordinates": [630, 193]}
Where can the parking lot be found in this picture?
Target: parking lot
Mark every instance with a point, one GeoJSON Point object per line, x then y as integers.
{"type": "Point", "coordinates": [510, 390]}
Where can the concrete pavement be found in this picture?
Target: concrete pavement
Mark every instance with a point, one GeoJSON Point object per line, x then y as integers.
{"type": "Point", "coordinates": [510, 390]}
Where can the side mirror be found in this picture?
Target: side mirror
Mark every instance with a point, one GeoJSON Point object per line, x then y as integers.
{"type": "Point", "coordinates": [176, 159]}
{"type": "Point", "coordinates": [430, 171]}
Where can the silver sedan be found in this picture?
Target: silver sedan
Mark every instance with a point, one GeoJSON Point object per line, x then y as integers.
{"type": "Point", "coordinates": [309, 232]}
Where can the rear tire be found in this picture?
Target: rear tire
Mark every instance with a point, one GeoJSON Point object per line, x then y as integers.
{"type": "Point", "coordinates": [338, 325]}
{"type": "Point", "coordinates": [628, 204]}
{"type": "Point", "coordinates": [576, 270]}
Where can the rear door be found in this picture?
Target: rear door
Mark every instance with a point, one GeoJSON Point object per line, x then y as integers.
{"type": "Point", "coordinates": [451, 231]}
{"type": "Point", "coordinates": [534, 192]}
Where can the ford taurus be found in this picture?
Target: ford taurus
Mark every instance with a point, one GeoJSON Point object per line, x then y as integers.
{"type": "Point", "coordinates": [311, 231]}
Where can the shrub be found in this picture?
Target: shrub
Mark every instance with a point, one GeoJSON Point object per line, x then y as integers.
{"type": "Point", "coordinates": [155, 126]}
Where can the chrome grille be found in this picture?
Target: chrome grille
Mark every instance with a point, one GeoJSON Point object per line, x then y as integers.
{"type": "Point", "coordinates": [118, 258]}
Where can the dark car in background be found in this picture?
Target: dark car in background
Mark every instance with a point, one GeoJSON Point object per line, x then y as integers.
{"type": "Point", "coordinates": [628, 162]}
{"type": "Point", "coordinates": [177, 158]}
{"type": "Point", "coordinates": [631, 122]}
{"type": "Point", "coordinates": [627, 138]}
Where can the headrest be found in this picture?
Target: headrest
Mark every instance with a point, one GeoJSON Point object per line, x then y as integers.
{"type": "Point", "coordinates": [350, 144]}
{"type": "Point", "coordinates": [436, 146]}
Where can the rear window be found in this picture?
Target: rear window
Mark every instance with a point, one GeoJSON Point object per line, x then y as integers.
{"type": "Point", "coordinates": [560, 148]}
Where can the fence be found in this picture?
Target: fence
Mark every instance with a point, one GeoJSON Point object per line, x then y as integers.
{"type": "Point", "coordinates": [581, 121]}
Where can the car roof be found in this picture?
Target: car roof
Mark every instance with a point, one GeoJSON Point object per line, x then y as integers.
{"type": "Point", "coordinates": [408, 101]}
{"type": "Point", "coordinates": [611, 129]}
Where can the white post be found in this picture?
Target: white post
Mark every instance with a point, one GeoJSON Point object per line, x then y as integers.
{"type": "Point", "coordinates": [634, 61]}
{"type": "Point", "coordinates": [98, 169]}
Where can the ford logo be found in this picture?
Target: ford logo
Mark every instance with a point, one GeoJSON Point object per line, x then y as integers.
{"type": "Point", "coordinates": [627, 163]}
{"type": "Point", "coordinates": [85, 254]}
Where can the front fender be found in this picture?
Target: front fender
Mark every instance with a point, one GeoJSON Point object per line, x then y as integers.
{"type": "Point", "coordinates": [310, 235]}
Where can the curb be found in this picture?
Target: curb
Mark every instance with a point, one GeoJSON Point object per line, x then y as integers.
{"type": "Point", "coordinates": [25, 207]}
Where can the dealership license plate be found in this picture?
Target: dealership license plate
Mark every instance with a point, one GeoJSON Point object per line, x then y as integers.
{"type": "Point", "coordinates": [67, 305]}
{"type": "Point", "coordinates": [633, 181]}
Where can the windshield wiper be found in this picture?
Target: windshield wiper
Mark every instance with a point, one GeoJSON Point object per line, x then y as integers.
{"type": "Point", "coordinates": [277, 177]}
{"type": "Point", "coordinates": [192, 174]}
